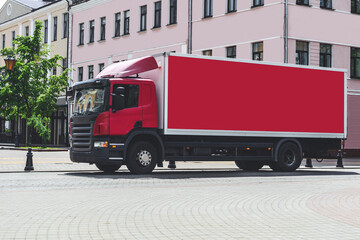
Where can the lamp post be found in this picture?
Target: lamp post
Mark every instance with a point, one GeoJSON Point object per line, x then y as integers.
{"type": "Point", "coordinates": [10, 63]}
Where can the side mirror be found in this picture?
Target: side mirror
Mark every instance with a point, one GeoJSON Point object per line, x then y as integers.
{"type": "Point", "coordinates": [119, 90]}
{"type": "Point", "coordinates": [118, 99]}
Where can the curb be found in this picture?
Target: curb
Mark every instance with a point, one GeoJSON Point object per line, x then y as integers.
{"type": "Point", "coordinates": [34, 150]}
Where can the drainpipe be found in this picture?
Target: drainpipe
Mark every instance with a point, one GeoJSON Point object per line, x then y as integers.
{"type": "Point", "coordinates": [68, 30]}
{"type": "Point", "coordinates": [66, 140]}
{"type": "Point", "coordinates": [286, 31]}
{"type": "Point", "coordinates": [189, 50]}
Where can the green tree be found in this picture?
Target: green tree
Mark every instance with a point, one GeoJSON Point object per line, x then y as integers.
{"type": "Point", "coordinates": [29, 91]}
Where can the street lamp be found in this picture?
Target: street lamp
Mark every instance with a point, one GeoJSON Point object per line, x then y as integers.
{"type": "Point", "coordinates": [10, 63]}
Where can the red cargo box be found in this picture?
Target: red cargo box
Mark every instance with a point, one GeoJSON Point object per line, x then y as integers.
{"type": "Point", "coordinates": [226, 97]}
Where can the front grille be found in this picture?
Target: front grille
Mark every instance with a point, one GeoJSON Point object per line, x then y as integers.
{"type": "Point", "coordinates": [81, 137]}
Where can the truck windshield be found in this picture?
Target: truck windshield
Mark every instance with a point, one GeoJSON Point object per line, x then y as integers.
{"type": "Point", "coordinates": [89, 100]}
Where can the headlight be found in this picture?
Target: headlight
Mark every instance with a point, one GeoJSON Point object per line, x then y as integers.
{"type": "Point", "coordinates": [101, 144]}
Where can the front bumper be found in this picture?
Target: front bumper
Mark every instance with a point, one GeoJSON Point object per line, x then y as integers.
{"type": "Point", "coordinates": [113, 154]}
{"type": "Point", "coordinates": [96, 155]}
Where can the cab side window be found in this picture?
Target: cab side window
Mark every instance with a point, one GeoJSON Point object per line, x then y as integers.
{"type": "Point", "coordinates": [131, 95]}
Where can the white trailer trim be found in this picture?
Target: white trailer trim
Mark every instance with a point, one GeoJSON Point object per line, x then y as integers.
{"type": "Point", "coordinates": [190, 132]}
{"type": "Point", "coordinates": [166, 72]}
{"type": "Point", "coordinates": [345, 105]}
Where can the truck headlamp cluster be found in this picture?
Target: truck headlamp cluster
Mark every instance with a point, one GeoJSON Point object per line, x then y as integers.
{"type": "Point", "coordinates": [101, 144]}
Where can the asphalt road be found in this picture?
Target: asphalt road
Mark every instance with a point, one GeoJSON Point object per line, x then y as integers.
{"type": "Point", "coordinates": [211, 200]}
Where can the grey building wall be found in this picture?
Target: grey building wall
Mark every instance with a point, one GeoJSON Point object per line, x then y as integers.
{"type": "Point", "coordinates": [12, 10]}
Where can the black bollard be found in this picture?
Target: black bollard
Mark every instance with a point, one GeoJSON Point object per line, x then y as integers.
{"type": "Point", "coordinates": [172, 165]}
{"type": "Point", "coordinates": [339, 163]}
{"type": "Point", "coordinates": [308, 163]}
{"type": "Point", "coordinates": [29, 161]}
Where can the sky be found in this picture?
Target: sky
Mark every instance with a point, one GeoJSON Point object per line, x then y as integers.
{"type": "Point", "coordinates": [2, 3]}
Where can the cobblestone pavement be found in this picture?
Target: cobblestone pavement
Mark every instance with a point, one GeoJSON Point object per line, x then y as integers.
{"type": "Point", "coordinates": [62, 200]}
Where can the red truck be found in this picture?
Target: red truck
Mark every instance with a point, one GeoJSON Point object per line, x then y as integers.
{"type": "Point", "coordinates": [176, 107]}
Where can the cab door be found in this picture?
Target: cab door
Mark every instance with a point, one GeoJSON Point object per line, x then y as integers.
{"type": "Point", "coordinates": [123, 121]}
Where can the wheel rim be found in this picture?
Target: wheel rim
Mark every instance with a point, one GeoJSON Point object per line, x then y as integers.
{"type": "Point", "coordinates": [144, 158]}
{"type": "Point", "coordinates": [289, 157]}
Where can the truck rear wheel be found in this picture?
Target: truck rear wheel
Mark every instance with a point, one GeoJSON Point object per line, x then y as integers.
{"type": "Point", "coordinates": [249, 165]}
{"type": "Point", "coordinates": [107, 168]}
{"type": "Point", "coordinates": [142, 158]}
{"type": "Point", "coordinates": [289, 158]}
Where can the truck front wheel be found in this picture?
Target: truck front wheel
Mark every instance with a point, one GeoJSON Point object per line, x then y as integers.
{"type": "Point", "coordinates": [142, 158]}
{"type": "Point", "coordinates": [249, 165]}
{"type": "Point", "coordinates": [289, 158]}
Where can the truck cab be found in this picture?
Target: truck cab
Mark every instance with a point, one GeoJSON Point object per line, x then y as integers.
{"type": "Point", "coordinates": [106, 111]}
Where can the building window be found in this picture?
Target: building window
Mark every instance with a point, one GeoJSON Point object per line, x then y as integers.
{"type": "Point", "coordinates": [90, 71]}
{"type": "Point", "coordinates": [131, 95]}
{"type": "Point", "coordinates": [326, 4]}
{"type": "Point", "coordinates": [65, 25]}
{"type": "Point", "coordinates": [231, 52]}
{"type": "Point", "coordinates": [302, 2]}
{"type": "Point", "coordinates": [81, 34]}
{"type": "Point", "coordinates": [257, 51]}
{"type": "Point", "coordinates": [127, 22]}
{"type": "Point", "coordinates": [157, 14]}
{"type": "Point", "coordinates": [355, 6]}
{"type": "Point", "coordinates": [3, 41]}
{"type": "Point", "coordinates": [54, 71]}
{"type": "Point", "coordinates": [257, 3]}
{"type": "Point", "coordinates": [302, 53]}
{"type": "Point", "coordinates": [101, 66]}
{"type": "Point", "coordinates": [102, 28]}
{"type": "Point", "coordinates": [27, 31]}
{"type": "Point", "coordinates": [208, 8]}
{"type": "Point", "coordinates": [143, 16]}
{"type": "Point", "coordinates": [46, 31]}
{"type": "Point", "coordinates": [325, 55]}
{"type": "Point", "coordinates": [13, 38]}
{"type": "Point", "coordinates": [64, 64]}
{"type": "Point", "coordinates": [117, 25]}
{"type": "Point", "coordinates": [355, 63]}
{"type": "Point", "coordinates": [91, 31]}
{"type": "Point", "coordinates": [54, 28]}
{"type": "Point", "coordinates": [173, 12]}
{"type": "Point", "coordinates": [231, 6]}
{"type": "Point", "coordinates": [207, 52]}
{"type": "Point", "coordinates": [80, 74]}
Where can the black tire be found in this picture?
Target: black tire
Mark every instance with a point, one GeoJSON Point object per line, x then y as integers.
{"type": "Point", "coordinates": [142, 158]}
{"type": "Point", "coordinates": [249, 165]}
{"type": "Point", "coordinates": [274, 166]}
{"type": "Point", "coordinates": [289, 158]}
{"type": "Point", "coordinates": [107, 168]}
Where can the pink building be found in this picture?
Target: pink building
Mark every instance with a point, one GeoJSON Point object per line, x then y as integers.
{"type": "Point", "coordinates": [308, 32]}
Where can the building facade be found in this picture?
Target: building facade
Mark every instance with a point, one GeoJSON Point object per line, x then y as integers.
{"type": "Point", "coordinates": [308, 32]}
{"type": "Point", "coordinates": [17, 18]}
{"type": "Point", "coordinates": [104, 32]}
